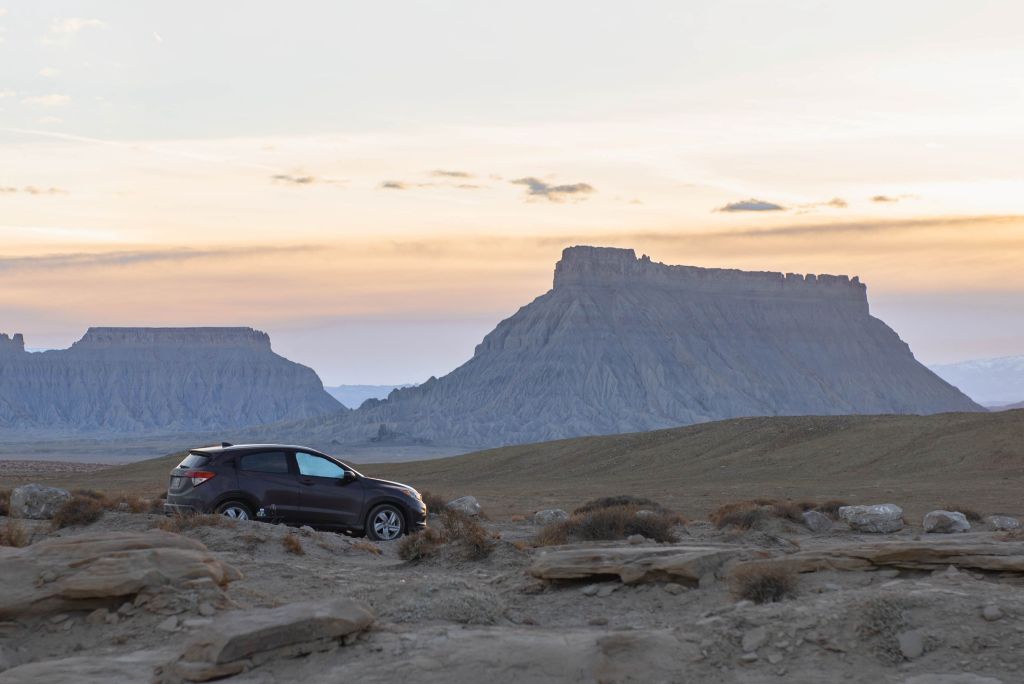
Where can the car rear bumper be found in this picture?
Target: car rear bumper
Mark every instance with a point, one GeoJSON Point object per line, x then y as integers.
{"type": "Point", "coordinates": [183, 507]}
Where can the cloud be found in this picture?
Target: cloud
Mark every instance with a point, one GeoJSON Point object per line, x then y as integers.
{"type": "Point", "coordinates": [49, 72]}
{"type": "Point", "coordinates": [554, 193]}
{"type": "Point", "coordinates": [468, 186]}
{"type": "Point", "coordinates": [33, 190]}
{"type": "Point", "coordinates": [751, 205]}
{"type": "Point", "coordinates": [294, 180]}
{"type": "Point", "coordinates": [837, 202]}
{"type": "Point", "coordinates": [884, 198]}
{"type": "Point", "coordinates": [441, 173]}
{"type": "Point", "coordinates": [7, 93]}
{"type": "Point", "coordinates": [63, 31]}
{"type": "Point", "coordinates": [50, 121]}
{"type": "Point", "coordinates": [129, 258]}
{"type": "Point", "coordinates": [46, 101]}
{"type": "Point", "coordinates": [394, 185]}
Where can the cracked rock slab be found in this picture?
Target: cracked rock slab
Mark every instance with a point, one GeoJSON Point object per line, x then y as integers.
{"type": "Point", "coordinates": [632, 564]}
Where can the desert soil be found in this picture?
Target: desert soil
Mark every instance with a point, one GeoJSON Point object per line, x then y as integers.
{"type": "Point", "coordinates": [449, 619]}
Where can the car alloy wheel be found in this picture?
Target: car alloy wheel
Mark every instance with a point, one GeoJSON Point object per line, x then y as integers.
{"type": "Point", "coordinates": [234, 510]}
{"type": "Point", "coordinates": [387, 524]}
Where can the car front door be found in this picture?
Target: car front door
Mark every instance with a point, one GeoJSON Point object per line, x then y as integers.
{"type": "Point", "coordinates": [329, 495]}
{"type": "Point", "coordinates": [270, 478]}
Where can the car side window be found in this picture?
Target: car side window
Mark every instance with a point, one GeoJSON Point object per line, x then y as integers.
{"type": "Point", "coordinates": [318, 466]}
{"type": "Point", "coordinates": [265, 462]}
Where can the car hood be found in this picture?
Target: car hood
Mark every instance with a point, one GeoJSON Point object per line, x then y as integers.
{"type": "Point", "coordinates": [388, 484]}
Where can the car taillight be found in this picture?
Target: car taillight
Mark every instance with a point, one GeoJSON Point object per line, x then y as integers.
{"type": "Point", "coordinates": [198, 477]}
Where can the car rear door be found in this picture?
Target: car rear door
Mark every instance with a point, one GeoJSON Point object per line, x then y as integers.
{"type": "Point", "coordinates": [270, 478]}
{"type": "Point", "coordinates": [328, 494]}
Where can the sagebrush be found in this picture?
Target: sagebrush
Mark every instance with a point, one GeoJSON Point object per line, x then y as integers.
{"type": "Point", "coordinates": [612, 518]}
{"type": "Point", "coordinates": [763, 583]}
{"type": "Point", "coordinates": [78, 510]}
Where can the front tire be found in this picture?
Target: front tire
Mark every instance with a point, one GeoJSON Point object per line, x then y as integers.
{"type": "Point", "coordinates": [385, 523]}
{"type": "Point", "coordinates": [236, 510]}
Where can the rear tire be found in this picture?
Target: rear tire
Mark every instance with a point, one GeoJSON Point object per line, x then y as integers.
{"type": "Point", "coordinates": [385, 523]}
{"type": "Point", "coordinates": [235, 510]}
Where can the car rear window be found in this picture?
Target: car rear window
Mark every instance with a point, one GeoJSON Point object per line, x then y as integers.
{"type": "Point", "coordinates": [194, 461]}
{"type": "Point", "coordinates": [265, 462]}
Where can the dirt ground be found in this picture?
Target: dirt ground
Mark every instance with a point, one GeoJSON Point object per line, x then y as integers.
{"type": "Point", "coordinates": [452, 620]}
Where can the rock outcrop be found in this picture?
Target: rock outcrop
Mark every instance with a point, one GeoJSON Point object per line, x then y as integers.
{"type": "Point", "coordinates": [37, 502]}
{"type": "Point", "coordinates": [154, 380]}
{"type": "Point", "coordinates": [622, 344]}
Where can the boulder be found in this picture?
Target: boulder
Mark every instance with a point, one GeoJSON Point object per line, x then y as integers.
{"type": "Point", "coordinates": [1002, 522]}
{"type": "Point", "coordinates": [239, 640]}
{"type": "Point", "coordinates": [817, 521]}
{"type": "Point", "coordinates": [875, 519]}
{"type": "Point", "coordinates": [37, 502]}
{"type": "Point", "coordinates": [946, 522]}
{"type": "Point", "coordinates": [549, 516]}
{"type": "Point", "coordinates": [465, 504]}
{"type": "Point", "coordinates": [130, 668]}
{"type": "Point", "coordinates": [632, 563]}
{"type": "Point", "coordinates": [103, 570]}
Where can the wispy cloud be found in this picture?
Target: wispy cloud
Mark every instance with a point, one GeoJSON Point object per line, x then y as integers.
{"type": "Point", "coordinates": [7, 93]}
{"type": "Point", "coordinates": [47, 101]}
{"type": "Point", "coordinates": [751, 205]}
{"type": "Point", "coordinates": [33, 190]}
{"type": "Point", "coordinates": [884, 198]}
{"type": "Point", "coordinates": [130, 258]}
{"type": "Point", "coordinates": [63, 31]}
{"type": "Point", "coordinates": [394, 185]}
{"type": "Point", "coordinates": [294, 180]}
{"type": "Point", "coordinates": [554, 193]}
{"type": "Point", "coordinates": [441, 173]}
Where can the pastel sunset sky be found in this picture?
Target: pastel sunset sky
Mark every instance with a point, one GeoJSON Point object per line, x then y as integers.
{"type": "Point", "coordinates": [378, 184]}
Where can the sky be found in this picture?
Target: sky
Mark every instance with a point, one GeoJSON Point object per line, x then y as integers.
{"type": "Point", "coordinates": [377, 184]}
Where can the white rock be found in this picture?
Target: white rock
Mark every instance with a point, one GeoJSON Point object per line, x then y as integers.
{"type": "Point", "coordinates": [1003, 522]}
{"type": "Point", "coordinates": [549, 515]}
{"type": "Point", "coordinates": [466, 504]}
{"type": "Point", "coordinates": [992, 613]}
{"type": "Point", "coordinates": [754, 639]}
{"type": "Point", "coordinates": [876, 519]}
{"type": "Point", "coordinates": [946, 522]}
{"type": "Point", "coordinates": [911, 643]}
{"type": "Point", "coordinates": [37, 502]}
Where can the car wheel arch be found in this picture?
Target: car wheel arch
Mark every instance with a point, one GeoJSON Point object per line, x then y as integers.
{"type": "Point", "coordinates": [240, 496]}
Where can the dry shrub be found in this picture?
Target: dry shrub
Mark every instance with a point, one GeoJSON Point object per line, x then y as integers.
{"type": "Point", "coordinates": [91, 494]}
{"type": "Point", "coordinates": [831, 508]}
{"type": "Point", "coordinates": [763, 582]}
{"type": "Point", "coordinates": [5, 501]}
{"type": "Point", "coordinates": [435, 502]}
{"type": "Point", "coordinates": [13, 534]}
{"type": "Point", "coordinates": [463, 530]}
{"type": "Point", "coordinates": [181, 523]}
{"type": "Point", "coordinates": [969, 513]}
{"type": "Point", "coordinates": [1011, 535]}
{"type": "Point", "coordinates": [420, 546]}
{"type": "Point", "coordinates": [609, 523]}
{"type": "Point", "coordinates": [638, 502]}
{"type": "Point", "coordinates": [292, 544]}
{"type": "Point", "coordinates": [367, 546]}
{"type": "Point", "coordinates": [459, 532]}
{"type": "Point", "coordinates": [78, 510]}
{"type": "Point", "coordinates": [879, 624]}
{"type": "Point", "coordinates": [517, 518]}
{"type": "Point", "coordinates": [747, 515]}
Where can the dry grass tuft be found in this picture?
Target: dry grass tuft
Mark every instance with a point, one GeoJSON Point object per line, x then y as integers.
{"type": "Point", "coordinates": [182, 523]}
{"type": "Point", "coordinates": [831, 508]}
{"type": "Point", "coordinates": [763, 583]}
{"type": "Point", "coordinates": [612, 522]}
{"type": "Point", "coordinates": [78, 510]}
{"type": "Point", "coordinates": [969, 513]}
{"type": "Point", "coordinates": [292, 544]}
{"type": "Point", "coordinates": [420, 546]}
{"type": "Point", "coordinates": [517, 518]}
{"type": "Point", "coordinates": [5, 501]}
{"type": "Point", "coordinates": [367, 546]}
{"type": "Point", "coordinates": [638, 502]}
{"type": "Point", "coordinates": [435, 502]}
{"type": "Point", "coordinates": [13, 534]}
{"type": "Point", "coordinates": [461, 529]}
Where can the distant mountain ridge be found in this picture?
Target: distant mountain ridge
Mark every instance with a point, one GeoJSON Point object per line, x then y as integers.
{"type": "Point", "coordinates": [148, 380]}
{"type": "Point", "coordinates": [993, 382]}
{"type": "Point", "coordinates": [353, 396]}
{"type": "Point", "coordinates": [622, 344]}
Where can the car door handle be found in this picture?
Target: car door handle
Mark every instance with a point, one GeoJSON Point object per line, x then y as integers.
{"type": "Point", "coordinates": [307, 480]}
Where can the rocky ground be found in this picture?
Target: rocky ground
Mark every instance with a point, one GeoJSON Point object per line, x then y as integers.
{"type": "Point", "coordinates": [120, 600]}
